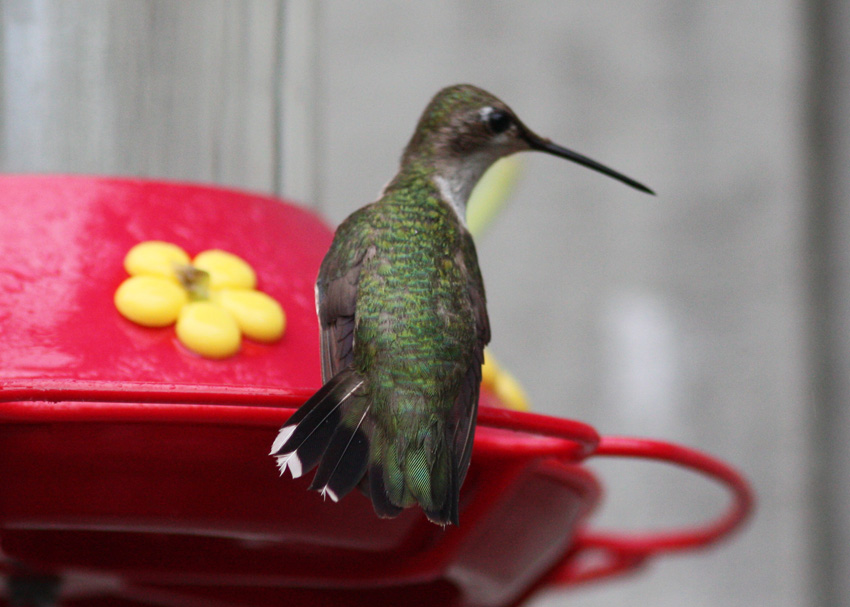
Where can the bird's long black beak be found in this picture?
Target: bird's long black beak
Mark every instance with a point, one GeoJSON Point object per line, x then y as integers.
{"type": "Point", "coordinates": [544, 145]}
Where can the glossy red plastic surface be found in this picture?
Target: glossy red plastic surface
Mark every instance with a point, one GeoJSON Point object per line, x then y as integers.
{"type": "Point", "coordinates": [137, 472]}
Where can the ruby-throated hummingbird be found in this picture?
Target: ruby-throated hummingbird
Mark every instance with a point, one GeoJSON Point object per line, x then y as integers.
{"type": "Point", "coordinates": [404, 322]}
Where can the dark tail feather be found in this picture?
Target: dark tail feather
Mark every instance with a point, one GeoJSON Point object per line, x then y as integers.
{"type": "Point", "coordinates": [404, 472]}
{"type": "Point", "coordinates": [376, 488]}
{"type": "Point", "coordinates": [378, 492]}
{"type": "Point", "coordinates": [445, 489]}
{"type": "Point", "coordinates": [448, 513]}
{"type": "Point", "coordinates": [347, 456]}
{"type": "Point", "coordinates": [305, 436]}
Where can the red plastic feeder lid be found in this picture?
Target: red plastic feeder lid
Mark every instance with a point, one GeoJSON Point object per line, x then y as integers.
{"type": "Point", "coordinates": [137, 471]}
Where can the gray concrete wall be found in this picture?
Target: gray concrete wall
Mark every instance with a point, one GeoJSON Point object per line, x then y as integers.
{"type": "Point", "coordinates": [711, 315]}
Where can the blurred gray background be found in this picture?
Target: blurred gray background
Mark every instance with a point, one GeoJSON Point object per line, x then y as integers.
{"type": "Point", "coordinates": [712, 315]}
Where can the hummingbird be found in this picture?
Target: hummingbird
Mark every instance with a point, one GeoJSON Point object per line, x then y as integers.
{"type": "Point", "coordinates": [403, 320]}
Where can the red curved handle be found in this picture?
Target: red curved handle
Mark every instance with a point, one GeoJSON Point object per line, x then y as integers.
{"type": "Point", "coordinates": [598, 554]}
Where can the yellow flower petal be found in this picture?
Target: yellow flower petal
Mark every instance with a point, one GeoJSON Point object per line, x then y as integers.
{"type": "Point", "coordinates": [510, 392]}
{"type": "Point", "coordinates": [151, 301]}
{"type": "Point", "coordinates": [491, 194]}
{"type": "Point", "coordinates": [226, 270]}
{"type": "Point", "coordinates": [503, 385]}
{"type": "Point", "coordinates": [155, 258]}
{"type": "Point", "coordinates": [259, 316]}
{"type": "Point", "coordinates": [208, 329]}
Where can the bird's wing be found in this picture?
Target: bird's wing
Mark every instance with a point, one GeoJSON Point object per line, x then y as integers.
{"type": "Point", "coordinates": [336, 296]}
{"type": "Point", "coordinates": [465, 408]}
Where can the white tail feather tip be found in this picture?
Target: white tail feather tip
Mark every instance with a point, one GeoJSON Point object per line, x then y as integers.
{"type": "Point", "coordinates": [295, 465]}
{"type": "Point", "coordinates": [281, 439]}
{"type": "Point", "coordinates": [326, 492]}
{"type": "Point", "coordinates": [291, 461]}
{"type": "Point", "coordinates": [281, 463]}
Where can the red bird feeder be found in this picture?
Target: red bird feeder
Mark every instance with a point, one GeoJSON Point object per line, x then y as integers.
{"type": "Point", "coordinates": [136, 472]}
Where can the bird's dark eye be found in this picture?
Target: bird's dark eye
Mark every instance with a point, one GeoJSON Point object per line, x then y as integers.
{"type": "Point", "coordinates": [498, 121]}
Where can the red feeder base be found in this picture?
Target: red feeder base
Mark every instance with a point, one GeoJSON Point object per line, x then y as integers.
{"type": "Point", "coordinates": [136, 473]}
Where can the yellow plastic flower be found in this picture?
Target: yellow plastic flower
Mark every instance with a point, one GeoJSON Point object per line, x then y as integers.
{"type": "Point", "coordinates": [503, 384]}
{"type": "Point", "coordinates": [490, 195]}
{"type": "Point", "coordinates": [212, 298]}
